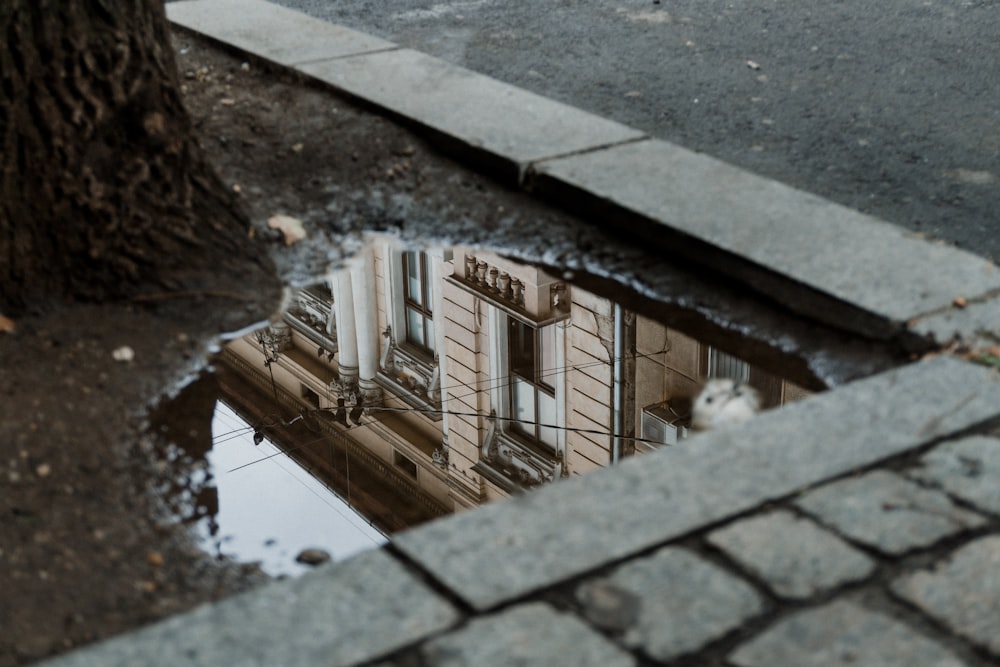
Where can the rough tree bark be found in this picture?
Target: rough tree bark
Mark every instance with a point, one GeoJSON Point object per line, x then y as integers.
{"type": "Point", "coordinates": [104, 192]}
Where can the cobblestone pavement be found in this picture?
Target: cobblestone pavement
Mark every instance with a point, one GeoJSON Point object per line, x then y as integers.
{"type": "Point", "coordinates": [860, 526]}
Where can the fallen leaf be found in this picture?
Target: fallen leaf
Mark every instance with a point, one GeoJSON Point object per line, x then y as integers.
{"type": "Point", "coordinates": [297, 148]}
{"type": "Point", "coordinates": [7, 324]}
{"type": "Point", "coordinates": [960, 302]}
{"type": "Point", "coordinates": [290, 227]}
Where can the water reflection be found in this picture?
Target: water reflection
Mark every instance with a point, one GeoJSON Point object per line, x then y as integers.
{"type": "Point", "coordinates": [416, 384]}
{"type": "Point", "coordinates": [271, 507]}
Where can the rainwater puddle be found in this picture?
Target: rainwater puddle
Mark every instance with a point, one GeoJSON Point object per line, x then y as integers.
{"type": "Point", "coordinates": [416, 384]}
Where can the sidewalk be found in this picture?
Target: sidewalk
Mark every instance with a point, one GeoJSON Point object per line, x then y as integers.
{"type": "Point", "coordinates": [859, 526]}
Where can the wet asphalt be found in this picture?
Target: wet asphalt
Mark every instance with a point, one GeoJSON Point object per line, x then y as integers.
{"type": "Point", "coordinates": [889, 107]}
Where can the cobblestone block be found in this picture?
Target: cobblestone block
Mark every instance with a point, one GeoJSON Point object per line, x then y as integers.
{"type": "Point", "coordinates": [796, 558]}
{"type": "Point", "coordinates": [537, 539]}
{"type": "Point", "coordinates": [532, 635]}
{"type": "Point", "coordinates": [888, 512]}
{"type": "Point", "coordinates": [686, 602]}
{"type": "Point", "coordinates": [963, 592]}
{"type": "Point", "coordinates": [346, 613]}
{"type": "Point", "coordinates": [270, 31]}
{"type": "Point", "coordinates": [841, 633]}
{"type": "Point", "coordinates": [968, 469]}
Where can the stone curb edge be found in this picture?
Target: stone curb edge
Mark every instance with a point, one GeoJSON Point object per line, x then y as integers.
{"type": "Point", "coordinates": [820, 259]}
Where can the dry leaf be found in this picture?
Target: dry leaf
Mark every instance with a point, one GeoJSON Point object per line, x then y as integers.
{"type": "Point", "coordinates": [960, 302]}
{"type": "Point", "coordinates": [290, 227]}
{"type": "Point", "coordinates": [7, 324]}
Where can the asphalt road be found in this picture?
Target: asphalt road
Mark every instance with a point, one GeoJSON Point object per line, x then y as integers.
{"type": "Point", "coordinates": [891, 107]}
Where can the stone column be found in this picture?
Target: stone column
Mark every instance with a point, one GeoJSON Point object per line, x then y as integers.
{"type": "Point", "coordinates": [347, 341]}
{"type": "Point", "coordinates": [366, 317]}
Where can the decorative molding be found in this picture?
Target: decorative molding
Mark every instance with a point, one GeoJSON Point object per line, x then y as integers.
{"type": "Point", "coordinates": [519, 463]}
{"type": "Point", "coordinates": [311, 314]}
{"type": "Point", "coordinates": [414, 379]}
{"type": "Point", "coordinates": [547, 303]}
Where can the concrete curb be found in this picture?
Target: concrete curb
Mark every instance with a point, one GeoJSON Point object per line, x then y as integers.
{"type": "Point", "coordinates": [818, 258]}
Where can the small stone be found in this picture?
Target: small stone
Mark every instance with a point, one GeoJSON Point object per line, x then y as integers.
{"type": "Point", "coordinates": [124, 354]}
{"type": "Point", "coordinates": [312, 556]}
{"type": "Point", "coordinates": [607, 606]}
{"type": "Point", "coordinates": [297, 148]}
{"type": "Point", "coordinates": [43, 470]}
{"type": "Point", "coordinates": [155, 559]}
{"type": "Point", "coordinates": [291, 228]}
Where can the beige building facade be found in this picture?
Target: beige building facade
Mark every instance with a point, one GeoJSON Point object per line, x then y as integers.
{"type": "Point", "coordinates": [467, 377]}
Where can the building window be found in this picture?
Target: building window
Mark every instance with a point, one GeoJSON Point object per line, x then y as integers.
{"type": "Point", "coordinates": [404, 464]}
{"type": "Point", "coordinates": [532, 354]}
{"type": "Point", "coordinates": [722, 365]}
{"type": "Point", "coordinates": [417, 301]}
{"type": "Point", "coordinates": [311, 397]}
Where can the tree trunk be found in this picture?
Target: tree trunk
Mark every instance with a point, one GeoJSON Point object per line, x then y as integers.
{"type": "Point", "coordinates": [104, 192]}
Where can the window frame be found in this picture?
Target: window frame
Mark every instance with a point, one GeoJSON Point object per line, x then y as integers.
{"type": "Point", "coordinates": [422, 308]}
{"type": "Point", "coordinates": [538, 386]}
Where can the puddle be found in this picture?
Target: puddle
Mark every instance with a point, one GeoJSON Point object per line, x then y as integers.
{"type": "Point", "coordinates": [420, 383]}
{"type": "Point", "coordinates": [272, 507]}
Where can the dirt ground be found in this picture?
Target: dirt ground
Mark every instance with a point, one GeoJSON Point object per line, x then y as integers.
{"type": "Point", "coordinates": [90, 545]}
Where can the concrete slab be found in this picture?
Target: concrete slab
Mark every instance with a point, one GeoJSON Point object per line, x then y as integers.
{"type": "Point", "coordinates": [887, 512]}
{"type": "Point", "coordinates": [796, 558]}
{"type": "Point", "coordinates": [511, 548]}
{"type": "Point", "coordinates": [533, 635]}
{"type": "Point", "coordinates": [502, 127]}
{"type": "Point", "coordinates": [961, 592]}
{"type": "Point", "coordinates": [752, 227]}
{"type": "Point", "coordinates": [841, 633]}
{"type": "Point", "coordinates": [968, 469]}
{"type": "Point", "coordinates": [687, 602]}
{"type": "Point", "coordinates": [350, 612]}
{"type": "Point", "coordinates": [270, 31]}
{"type": "Point", "coordinates": [978, 324]}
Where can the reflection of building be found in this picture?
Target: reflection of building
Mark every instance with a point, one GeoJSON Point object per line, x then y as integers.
{"type": "Point", "coordinates": [473, 376]}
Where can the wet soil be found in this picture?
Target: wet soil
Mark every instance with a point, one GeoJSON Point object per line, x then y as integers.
{"type": "Point", "coordinates": [88, 548]}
